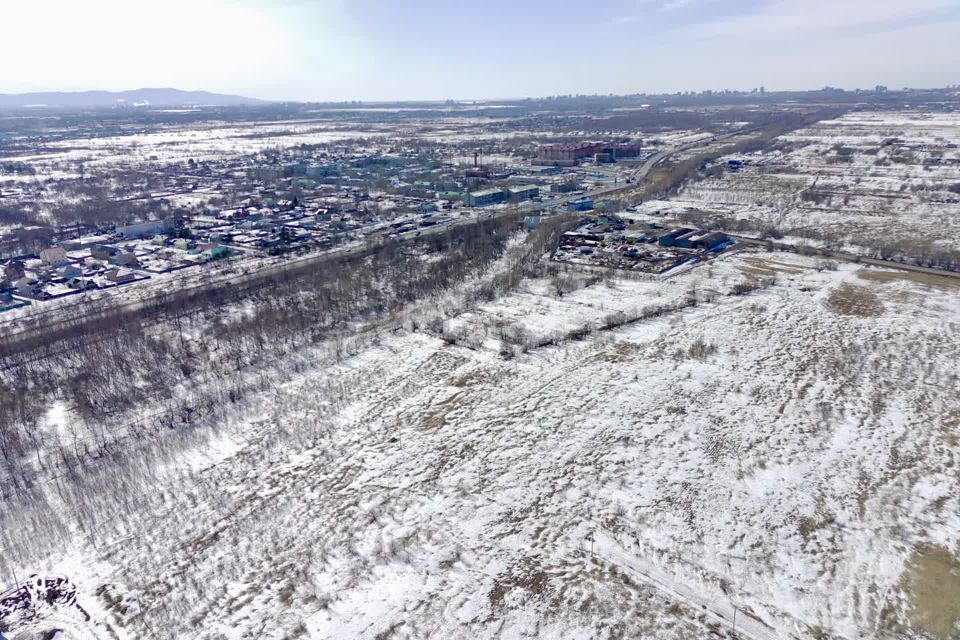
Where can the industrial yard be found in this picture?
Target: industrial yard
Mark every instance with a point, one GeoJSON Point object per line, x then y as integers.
{"type": "Point", "coordinates": [626, 243]}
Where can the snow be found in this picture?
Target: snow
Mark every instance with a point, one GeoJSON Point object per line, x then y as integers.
{"type": "Point", "coordinates": [436, 490]}
{"type": "Point", "coordinates": [894, 185]}
{"type": "Point", "coordinates": [56, 422]}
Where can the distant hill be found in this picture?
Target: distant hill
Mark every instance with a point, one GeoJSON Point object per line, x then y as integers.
{"type": "Point", "coordinates": [152, 97]}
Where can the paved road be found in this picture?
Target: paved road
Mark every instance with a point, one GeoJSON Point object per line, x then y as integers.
{"type": "Point", "coordinates": [640, 175]}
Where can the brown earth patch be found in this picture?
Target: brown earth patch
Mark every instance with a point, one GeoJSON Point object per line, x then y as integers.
{"type": "Point", "coordinates": [927, 279]}
{"type": "Point", "coordinates": [853, 300]}
{"type": "Point", "coordinates": [931, 581]}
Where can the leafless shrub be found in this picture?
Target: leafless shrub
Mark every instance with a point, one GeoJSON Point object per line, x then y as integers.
{"type": "Point", "coordinates": [827, 265]}
{"type": "Point", "coordinates": [699, 350]}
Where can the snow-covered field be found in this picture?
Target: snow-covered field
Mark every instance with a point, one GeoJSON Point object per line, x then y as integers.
{"type": "Point", "coordinates": [216, 140]}
{"type": "Point", "coordinates": [866, 179]}
{"type": "Point", "coordinates": [790, 451]}
{"type": "Point", "coordinates": [208, 141]}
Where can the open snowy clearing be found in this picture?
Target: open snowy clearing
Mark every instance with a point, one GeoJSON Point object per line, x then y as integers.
{"type": "Point", "coordinates": [791, 452]}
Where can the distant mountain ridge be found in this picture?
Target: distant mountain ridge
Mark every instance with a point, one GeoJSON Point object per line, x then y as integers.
{"type": "Point", "coordinates": [153, 97]}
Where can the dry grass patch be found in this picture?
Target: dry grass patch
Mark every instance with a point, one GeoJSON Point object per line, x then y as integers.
{"type": "Point", "coordinates": [756, 272]}
{"type": "Point", "coordinates": [784, 267]}
{"type": "Point", "coordinates": [766, 267]}
{"type": "Point", "coordinates": [932, 583]}
{"type": "Point", "coordinates": [478, 377]}
{"type": "Point", "coordinates": [435, 416]}
{"type": "Point", "coordinates": [926, 279]}
{"type": "Point", "coordinates": [619, 353]}
{"type": "Point", "coordinates": [851, 300]}
{"type": "Point", "coordinates": [527, 576]}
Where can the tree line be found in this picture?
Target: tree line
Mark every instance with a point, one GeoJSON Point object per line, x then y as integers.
{"type": "Point", "coordinates": [126, 372]}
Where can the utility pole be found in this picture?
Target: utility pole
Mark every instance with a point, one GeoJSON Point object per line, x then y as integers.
{"type": "Point", "coordinates": [734, 620]}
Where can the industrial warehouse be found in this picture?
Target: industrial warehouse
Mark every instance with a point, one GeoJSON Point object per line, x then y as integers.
{"type": "Point", "coordinates": [570, 154]}
{"type": "Point", "coordinates": [645, 247]}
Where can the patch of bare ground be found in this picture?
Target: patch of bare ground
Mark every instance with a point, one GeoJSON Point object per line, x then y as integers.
{"type": "Point", "coordinates": [951, 427]}
{"type": "Point", "coordinates": [931, 581]}
{"type": "Point", "coordinates": [784, 267]}
{"type": "Point", "coordinates": [853, 300]}
{"type": "Point", "coordinates": [527, 576]}
{"type": "Point", "coordinates": [619, 353]}
{"type": "Point", "coordinates": [765, 267]}
{"type": "Point", "coordinates": [435, 416]}
{"type": "Point", "coordinates": [481, 376]}
{"type": "Point", "coordinates": [756, 272]}
{"type": "Point", "coordinates": [926, 279]}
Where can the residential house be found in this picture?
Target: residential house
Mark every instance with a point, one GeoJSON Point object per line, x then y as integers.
{"type": "Point", "coordinates": [119, 277]}
{"type": "Point", "coordinates": [30, 288]}
{"type": "Point", "coordinates": [103, 252]}
{"type": "Point", "coordinates": [144, 229]}
{"type": "Point", "coordinates": [216, 252]}
{"type": "Point", "coordinates": [80, 284]}
{"type": "Point", "coordinates": [7, 302]}
{"type": "Point", "coordinates": [13, 270]}
{"type": "Point", "coordinates": [54, 256]}
{"type": "Point", "coordinates": [69, 271]}
{"type": "Point", "coordinates": [128, 260]}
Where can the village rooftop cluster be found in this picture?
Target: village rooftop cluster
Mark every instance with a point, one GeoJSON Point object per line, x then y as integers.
{"type": "Point", "coordinates": [294, 201]}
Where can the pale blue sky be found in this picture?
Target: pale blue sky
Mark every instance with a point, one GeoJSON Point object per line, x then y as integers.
{"type": "Point", "coordinates": [434, 49]}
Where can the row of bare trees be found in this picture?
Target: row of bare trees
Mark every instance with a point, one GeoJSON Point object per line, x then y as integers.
{"type": "Point", "coordinates": [124, 373]}
{"type": "Point", "coordinates": [905, 249]}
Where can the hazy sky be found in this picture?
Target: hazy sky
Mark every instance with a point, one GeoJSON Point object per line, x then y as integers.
{"type": "Point", "coordinates": [412, 49]}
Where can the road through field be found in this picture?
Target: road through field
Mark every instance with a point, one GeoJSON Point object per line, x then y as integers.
{"type": "Point", "coordinates": [740, 623]}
